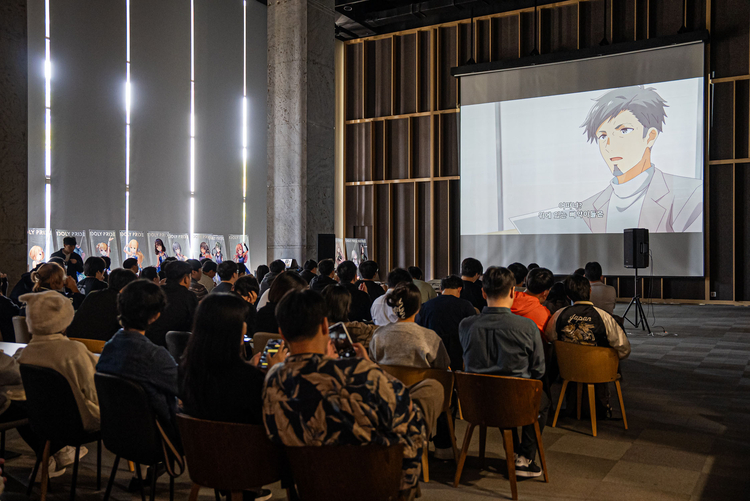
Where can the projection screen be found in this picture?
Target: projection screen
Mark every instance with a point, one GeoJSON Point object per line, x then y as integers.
{"type": "Point", "coordinates": [558, 159]}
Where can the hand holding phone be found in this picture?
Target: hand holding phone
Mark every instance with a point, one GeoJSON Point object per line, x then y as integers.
{"type": "Point", "coordinates": [273, 346]}
{"type": "Point", "coordinates": [342, 342]}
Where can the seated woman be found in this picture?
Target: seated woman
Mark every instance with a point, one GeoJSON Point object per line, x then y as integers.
{"type": "Point", "coordinates": [339, 302]}
{"type": "Point", "coordinates": [405, 343]}
{"type": "Point", "coordinates": [283, 283]}
{"type": "Point", "coordinates": [51, 277]}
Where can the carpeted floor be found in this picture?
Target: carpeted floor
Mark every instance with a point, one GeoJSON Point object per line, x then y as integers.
{"type": "Point", "coordinates": [687, 397]}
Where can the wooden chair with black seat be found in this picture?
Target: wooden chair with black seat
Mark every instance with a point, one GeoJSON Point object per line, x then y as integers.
{"type": "Point", "coordinates": [587, 365]}
{"type": "Point", "coordinates": [229, 456]}
{"type": "Point", "coordinates": [499, 402]}
{"type": "Point", "coordinates": [414, 375]}
{"type": "Point", "coordinates": [21, 329]}
{"type": "Point", "coordinates": [93, 345]}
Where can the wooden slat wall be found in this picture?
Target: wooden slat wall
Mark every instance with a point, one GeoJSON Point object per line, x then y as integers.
{"type": "Point", "coordinates": [401, 134]}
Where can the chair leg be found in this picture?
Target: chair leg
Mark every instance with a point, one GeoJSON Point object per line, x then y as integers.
{"type": "Point", "coordinates": [579, 394]}
{"type": "Point", "coordinates": [99, 464]}
{"type": "Point", "coordinates": [425, 463]}
{"type": "Point", "coordinates": [140, 480]}
{"type": "Point", "coordinates": [153, 482]}
{"type": "Point", "coordinates": [45, 470]}
{"type": "Point", "coordinates": [32, 479]}
{"type": "Point", "coordinates": [510, 461]}
{"type": "Point", "coordinates": [193, 492]}
{"type": "Point", "coordinates": [171, 488]}
{"type": "Point", "coordinates": [462, 457]}
{"type": "Point", "coordinates": [2, 444]}
{"type": "Point", "coordinates": [453, 436]}
{"type": "Point", "coordinates": [131, 466]}
{"type": "Point", "coordinates": [560, 401]}
{"type": "Point", "coordinates": [75, 474]}
{"type": "Point", "coordinates": [217, 495]}
{"type": "Point", "coordinates": [112, 476]}
{"type": "Point", "coordinates": [622, 404]}
{"type": "Point", "coordinates": [592, 408]}
{"type": "Point", "coordinates": [540, 446]}
{"type": "Point", "coordinates": [482, 443]}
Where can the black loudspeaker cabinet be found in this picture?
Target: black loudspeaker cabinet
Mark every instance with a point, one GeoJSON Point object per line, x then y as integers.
{"type": "Point", "coordinates": [636, 247]}
{"type": "Point", "coordinates": [326, 246]}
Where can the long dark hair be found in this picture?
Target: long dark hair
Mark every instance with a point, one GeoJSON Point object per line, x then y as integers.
{"type": "Point", "coordinates": [214, 345]}
{"type": "Point", "coordinates": [159, 243]}
{"type": "Point", "coordinates": [405, 300]}
{"type": "Point", "coordinates": [339, 301]}
{"type": "Point", "coordinates": [283, 283]}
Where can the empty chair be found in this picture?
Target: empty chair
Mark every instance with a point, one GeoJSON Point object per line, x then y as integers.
{"type": "Point", "coordinates": [347, 472]}
{"type": "Point", "coordinates": [261, 338]}
{"type": "Point", "coordinates": [413, 375]}
{"type": "Point", "coordinates": [22, 330]}
{"type": "Point", "coordinates": [499, 402]}
{"type": "Point", "coordinates": [176, 343]}
{"type": "Point", "coordinates": [54, 416]}
{"type": "Point", "coordinates": [587, 365]}
{"type": "Point", "coordinates": [130, 431]}
{"type": "Point", "coordinates": [93, 345]}
{"type": "Point", "coordinates": [228, 456]}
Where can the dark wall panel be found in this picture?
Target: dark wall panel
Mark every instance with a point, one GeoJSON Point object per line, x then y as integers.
{"type": "Point", "coordinates": [447, 59]}
{"type": "Point", "coordinates": [354, 61]}
{"type": "Point", "coordinates": [720, 230]}
{"type": "Point", "coordinates": [742, 228]}
{"type": "Point", "coordinates": [721, 136]}
{"type": "Point", "coordinates": [403, 225]}
{"type": "Point", "coordinates": [505, 38]}
{"type": "Point", "coordinates": [397, 149]}
{"type": "Point", "coordinates": [405, 95]}
{"type": "Point", "coordinates": [730, 29]}
{"type": "Point", "coordinates": [559, 29]}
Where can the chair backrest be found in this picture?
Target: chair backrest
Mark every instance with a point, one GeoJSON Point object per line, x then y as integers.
{"type": "Point", "coordinates": [229, 456]}
{"type": "Point", "coordinates": [93, 345]}
{"type": "Point", "coordinates": [261, 338]}
{"type": "Point", "coordinates": [498, 401]}
{"type": "Point", "coordinates": [586, 364]}
{"type": "Point", "coordinates": [345, 472]}
{"type": "Point", "coordinates": [22, 330]}
{"type": "Point", "coordinates": [176, 343]}
{"type": "Point", "coordinates": [51, 405]}
{"type": "Point", "coordinates": [128, 423]}
{"type": "Point", "coordinates": [413, 375]}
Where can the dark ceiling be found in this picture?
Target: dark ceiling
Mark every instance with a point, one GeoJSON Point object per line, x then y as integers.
{"type": "Point", "coordinates": [364, 18]}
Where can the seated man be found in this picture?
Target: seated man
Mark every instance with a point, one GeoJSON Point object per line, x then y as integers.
{"type": "Point", "coordinates": [326, 277]}
{"type": "Point", "coordinates": [424, 288]}
{"type": "Point", "coordinates": [73, 262]}
{"type": "Point", "coordinates": [361, 403]}
{"type": "Point", "coordinates": [500, 343]}
{"type": "Point", "coordinates": [97, 317]}
{"type": "Point", "coordinates": [471, 270]}
{"type": "Point", "coordinates": [309, 270]}
{"type": "Point", "coordinates": [519, 272]}
{"type": "Point", "coordinates": [181, 304]}
{"type": "Point", "coordinates": [359, 310]}
{"type": "Point", "coordinates": [276, 268]}
{"type": "Point", "coordinates": [196, 287]}
{"type": "Point", "coordinates": [367, 272]}
{"type": "Point", "coordinates": [528, 304]}
{"type": "Point", "coordinates": [602, 296]}
{"type": "Point", "coordinates": [208, 273]}
{"type": "Point", "coordinates": [382, 314]}
{"type": "Point", "coordinates": [228, 275]}
{"type": "Point", "coordinates": [94, 269]}
{"type": "Point", "coordinates": [131, 264]}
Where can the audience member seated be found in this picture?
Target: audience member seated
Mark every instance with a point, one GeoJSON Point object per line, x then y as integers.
{"type": "Point", "coordinates": [73, 261]}
{"type": "Point", "coordinates": [131, 264]}
{"type": "Point", "coordinates": [602, 296]}
{"type": "Point", "coordinates": [261, 272]}
{"type": "Point", "coordinates": [51, 277]}
{"type": "Point", "coordinates": [181, 304]}
{"type": "Point", "coordinates": [359, 310]}
{"type": "Point", "coordinates": [97, 317]}
{"type": "Point", "coordinates": [580, 272]}
{"type": "Point", "coordinates": [500, 343]}
{"type": "Point", "coordinates": [368, 270]}
{"type": "Point", "coordinates": [444, 314]}
{"type": "Point", "coordinates": [583, 323]}
{"type": "Point", "coordinates": [361, 403]}
{"type": "Point", "coordinates": [241, 270]}
{"type": "Point", "coordinates": [208, 272]}
{"type": "Point", "coordinates": [247, 288]}
{"type": "Point", "coordinates": [382, 314]}
{"type": "Point", "coordinates": [196, 287]}
{"type": "Point", "coordinates": [284, 282]}
{"type": "Point", "coordinates": [8, 310]}
{"type": "Point", "coordinates": [471, 270]}
{"type": "Point", "coordinates": [557, 298]}
{"type": "Point", "coordinates": [338, 301]}
{"type": "Point", "coordinates": [151, 274]}
{"type": "Point", "coordinates": [531, 266]}
{"type": "Point", "coordinates": [309, 270]}
{"type": "Point", "coordinates": [131, 355]}
{"type": "Point", "coordinates": [275, 269]}
{"type": "Point", "coordinates": [529, 304]}
{"type": "Point", "coordinates": [326, 275]}
{"type": "Point", "coordinates": [519, 272]}
{"type": "Point", "coordinates": [228, 275]}
{"type": "Point", "coordinates": [94, 270]}
{"type": "Point", "coordinates": [24, 285]}
{"type": "Point", "coordinates": [424, 288]}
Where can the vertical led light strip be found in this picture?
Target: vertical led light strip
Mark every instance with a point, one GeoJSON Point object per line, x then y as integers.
{"type": "Point", "coordinates": [47, 133]}
{"type": "Point", "coordinates": [127, 116]}
{"type": "Point", "coordinates": [192, 121]}
{"type": "Point", "coordinates": [244, 117]}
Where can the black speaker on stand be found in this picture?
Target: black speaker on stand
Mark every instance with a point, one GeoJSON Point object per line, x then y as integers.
{"type": "Point", "coordinates": [636, 256]}
{"type": "Point", "coordinates": [326, 246]}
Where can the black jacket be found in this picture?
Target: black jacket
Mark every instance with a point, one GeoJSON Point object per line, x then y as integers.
{"type": "Point", "coordinates": [73, 265]}
{"type": "Point", "coordinates": [307, 275]}
{"type": "Point", "coordinates": [359, 311]}
{"type": "Point", "coordinates": [97, 317]}
{"type": "Point", "coordinates": [91, 284]}
{"type": "Point", "coordinates": [321, 282]}
{"type": "Point", "coordinates": [24, 286]}
{"type": "Point", "coordinates": [265, 284]}
{"type": "Point", "coordinates": [472, 292]}
{"type": "Point", "coordinates": [177, 316]}
{"type": "Point", "coordinates": [8, 310]}
{"type": "Point", "coordinates": [265, 320]}
{"type": "Point", "coordinates": [443, 314]}
{"type": "Point", "coordinates": [374, 289]}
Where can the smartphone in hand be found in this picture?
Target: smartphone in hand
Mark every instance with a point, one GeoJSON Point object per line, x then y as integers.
{"type": "Point", "coordinates": [342, 341]}
{"type": "Point", "coordinates": [272, 348]}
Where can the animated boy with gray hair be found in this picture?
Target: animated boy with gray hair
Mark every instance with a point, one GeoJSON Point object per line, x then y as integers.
{"type": "Point", "coordinates": [625, 123]}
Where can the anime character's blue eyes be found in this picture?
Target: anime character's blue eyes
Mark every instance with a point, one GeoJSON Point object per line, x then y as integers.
{"type": "Point", "coordinates": [626, 130]}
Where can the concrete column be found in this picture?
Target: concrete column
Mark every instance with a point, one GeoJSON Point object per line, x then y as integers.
{"type": "Point", "coordinates": [13, 138]}
{"type": "Point", "coordinates": [301, 111]}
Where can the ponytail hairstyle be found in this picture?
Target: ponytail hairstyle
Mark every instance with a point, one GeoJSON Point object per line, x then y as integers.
{"type": "Point", "coordinates": [48, 276]}
{"type": "Point", "coordinates": [405, 300]}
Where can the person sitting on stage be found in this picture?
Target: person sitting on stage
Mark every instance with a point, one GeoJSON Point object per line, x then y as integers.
{"type": "Point", "coordinates": [528, 304]}
{"type": "Point", "coordinates": [73, 262]}
{"type": "Point", "coordinates": [603, 296]}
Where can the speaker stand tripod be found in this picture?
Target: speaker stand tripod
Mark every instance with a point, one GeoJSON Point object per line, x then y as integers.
{"type": "Point", "coordinates": [640, 315]}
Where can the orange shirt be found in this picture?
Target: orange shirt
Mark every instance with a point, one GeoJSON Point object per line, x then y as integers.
{"type": "Point", "coordinates": [529, 306]}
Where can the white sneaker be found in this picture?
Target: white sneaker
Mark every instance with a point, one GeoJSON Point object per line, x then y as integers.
{"type": "Point", "coordinates": [444, 454]}
{"type": "Point", "coordinates": [527, 467]}
{"type": "Point", "coordinates": [53, 470]}
{"type": "Point", "coordinates": [67, 455]}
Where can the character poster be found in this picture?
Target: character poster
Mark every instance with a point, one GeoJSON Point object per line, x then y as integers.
{"type": "Point", "coordinates": [362, 251]}
{"type": "Point", "coordinates": [178, 242]}
{"type": "Point", "coordinates": [352, 251]}
{"type": "Point", "coordinates": [240, 250]}
{"type": "Point", "coordinates": [104, 244]}
{"type": "Point", "coordinates": [134, 245]}
{"type": "Point", "coordinates": [82, 241]}
{"type": "Point", "coordinates": [340, 252]}
{"type": "Point", "coordinates": [201, 246]}
{"type": "Point", "coordinates": [158, 249]}
{"type": "Point", "coordinates": [37, 245]}
{"type": "Point", "coordinates": [218, 249]}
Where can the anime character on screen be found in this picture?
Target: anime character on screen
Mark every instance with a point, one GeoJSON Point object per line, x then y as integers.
{"type": "Point", "coordinates": [161, 254]}
{"type": "Point", "coordinates": [339, 255]}
{"type": "Point", "coordinates": [625, 123]}
{"type": "Point", "coordinates": [131, 250]}
{"type": "Point", "coordinates": [80, 252]}
{"type": "Point", "coordinates": [240, 253]}
{"type": "Point", "coordinates": [362, 253]}
{"type": "Point", "coordinates": [104, 248]}
{"type": "Point", "coordinates": [36, 254]}
{"type": "Point", "coordinates": [205, 251]}
{"type": "Point", "coordinates": [354, 258]}
{"type": "Point", "coordinates": [177, 249]}
{"type": "Point", "coordinates": [218, 257]}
